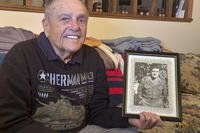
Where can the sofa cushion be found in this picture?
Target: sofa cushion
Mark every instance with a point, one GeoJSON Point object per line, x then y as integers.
{"type": "Point", "coordinates": [191, 118]}
{"type": "Point", "coordinates": [9, 36]}
{"type": "Point", "coordinates": [190, 73]}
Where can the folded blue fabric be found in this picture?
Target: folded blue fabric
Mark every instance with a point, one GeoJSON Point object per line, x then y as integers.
{"type": "Point", "coordinates": [135, 44]}
{"type": "Point", "coordinates": [2, 54]}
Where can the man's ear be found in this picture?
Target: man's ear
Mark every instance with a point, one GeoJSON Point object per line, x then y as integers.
{"type": "Point", "coordinates": [45, 24]}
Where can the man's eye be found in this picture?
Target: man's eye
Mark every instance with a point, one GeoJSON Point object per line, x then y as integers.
{"type": "Point", "coordinates": [82, 20]}
{"type": "Point", "coordinates": [65, 19]}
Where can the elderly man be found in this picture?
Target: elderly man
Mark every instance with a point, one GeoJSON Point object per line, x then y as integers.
{"type": "Point", "coordinates": [54, 83]}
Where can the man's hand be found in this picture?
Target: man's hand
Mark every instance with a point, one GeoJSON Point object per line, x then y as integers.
{"type": "Point", "coordinates": [147, 121]}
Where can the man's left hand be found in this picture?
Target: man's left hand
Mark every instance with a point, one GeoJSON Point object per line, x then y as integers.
{"type": "Point", "coordinates": [147, 120]}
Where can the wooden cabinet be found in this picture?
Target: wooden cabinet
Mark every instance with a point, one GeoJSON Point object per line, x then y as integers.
{"type": "Point", "coordinates": [22, 5]}
{"type": "Point", "coordinates": [161, 10]}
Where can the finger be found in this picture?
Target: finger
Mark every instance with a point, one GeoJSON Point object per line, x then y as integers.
{"type": "Point", "coordinates": [149, 119]}
{"type": "Point", "coordinates": [158, 121]}
{"type": "Point", "coordinates": [135, 122]}
{"type": "Point", "coordinates": [153, 120]}
{"type": "Point", "coordinates": [142, 117]}
{"type": "Point", "coordinates": [145, 120]}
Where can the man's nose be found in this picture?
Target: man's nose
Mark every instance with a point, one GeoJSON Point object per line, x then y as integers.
{"type": "Point", "coordinates": [75, 24]}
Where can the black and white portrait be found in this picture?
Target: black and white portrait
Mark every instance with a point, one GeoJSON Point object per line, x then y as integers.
{"type": "Point", "coordinates": [152, 84]}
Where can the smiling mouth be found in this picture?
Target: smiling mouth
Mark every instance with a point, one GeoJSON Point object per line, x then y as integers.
{"type": "Point", "coordinates": [72, 36]}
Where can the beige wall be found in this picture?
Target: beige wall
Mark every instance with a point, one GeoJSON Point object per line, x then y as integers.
{"type": "Point", "coordinates": [180, 37]}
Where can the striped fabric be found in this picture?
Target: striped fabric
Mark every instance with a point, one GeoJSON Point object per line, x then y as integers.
{"type": "Point", "coordinates": [115, 81]}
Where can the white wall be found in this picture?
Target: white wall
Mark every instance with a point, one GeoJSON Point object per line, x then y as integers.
{"type": "Point", "coordinates": [178, 36]}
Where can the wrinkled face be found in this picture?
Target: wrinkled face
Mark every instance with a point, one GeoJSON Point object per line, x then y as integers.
{"type": "Point", "coordinates": [155, 73]}
{"type": "Point", "coordinates": [66, 25]}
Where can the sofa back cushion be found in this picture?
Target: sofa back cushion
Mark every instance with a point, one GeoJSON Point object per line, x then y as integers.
{"type": "Point", "coordinates": [190, 73]}
{"type": "Point", "coordinates": [9, 36]}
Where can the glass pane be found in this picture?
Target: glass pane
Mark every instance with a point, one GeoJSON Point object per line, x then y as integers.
{"type": "Point", "coordinates": [38, 3]}
{"type": "Point", "coordinates": [19, 2]}
{"type": "Point", "coordinates": [124, 6]}
{"type": "Point", "coordinates": [97, 6]}
{"type": "Point", "coordinates": [144, 7]}
{"type": "Point", "coordinates": [161, 7]}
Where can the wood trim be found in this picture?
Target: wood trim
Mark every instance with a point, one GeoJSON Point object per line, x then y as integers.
{"type": "Point", "coordinates": [27, 7]}
{"type": "Point", "coordinates": [189, 8]}
{"type": "Point", "coordinates": [28, 2]}
{"type": "Point", "coordinates": [169, 6]}
{"type": "Point", "coordinates": [112, 6]}
{"type": "Point", "coordinates": [153, 8]}
{"type": "Point", "coordinates": [89, 5]}
{"type": "Point", "coordinates": [134, 6]}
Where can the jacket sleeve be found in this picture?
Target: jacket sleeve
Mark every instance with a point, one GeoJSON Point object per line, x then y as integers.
{"type": "Point", "coordinates": [99, 111]}
{"type": "Point", "coordinates": [16, 96]}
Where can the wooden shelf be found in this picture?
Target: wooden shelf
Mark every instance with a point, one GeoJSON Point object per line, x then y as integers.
{"type": "Point", "coordinates": [26, 6]}
{"type": "Point", "coordinates": [138, 17]}
{"type": "Point", "coordinates": [113, 9]}
{"type": "Point", "coordinates": [152, 13]}
{"type": "Point", "coordinates": [22, 8]}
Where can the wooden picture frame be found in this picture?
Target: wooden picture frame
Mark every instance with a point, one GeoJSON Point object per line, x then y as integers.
{"type": "Point", "coordinates": [152, 85]}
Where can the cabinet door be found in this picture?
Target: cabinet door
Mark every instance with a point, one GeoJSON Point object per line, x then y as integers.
{"type": "Point", "coordinates": [163, 10]}
{"type": "Point", "coordinates": [16, 2]}
{"type": "Point", "coordinates": [39, 3]}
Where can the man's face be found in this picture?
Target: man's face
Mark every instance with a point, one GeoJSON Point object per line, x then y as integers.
{"type": "Point", "coordinates": [155, 73]}
{"type": "Point", "coordinates": [66, 25]}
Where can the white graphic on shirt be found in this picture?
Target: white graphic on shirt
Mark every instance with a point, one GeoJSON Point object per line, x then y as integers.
{"type": "Point", "coordinates": [60, 115]}
{"type": "Point", "coordinates": [66, 79]}
{"type": "Point", "coordinates": [43, 95]}
{"type": "Point", "coordinates": [62, 97]}
{"type": "Point", "coordinates": [42, 76]}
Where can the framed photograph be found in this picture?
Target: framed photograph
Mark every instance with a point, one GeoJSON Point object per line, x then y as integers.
{"type": "Point", "coordinates": [152, 85]}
